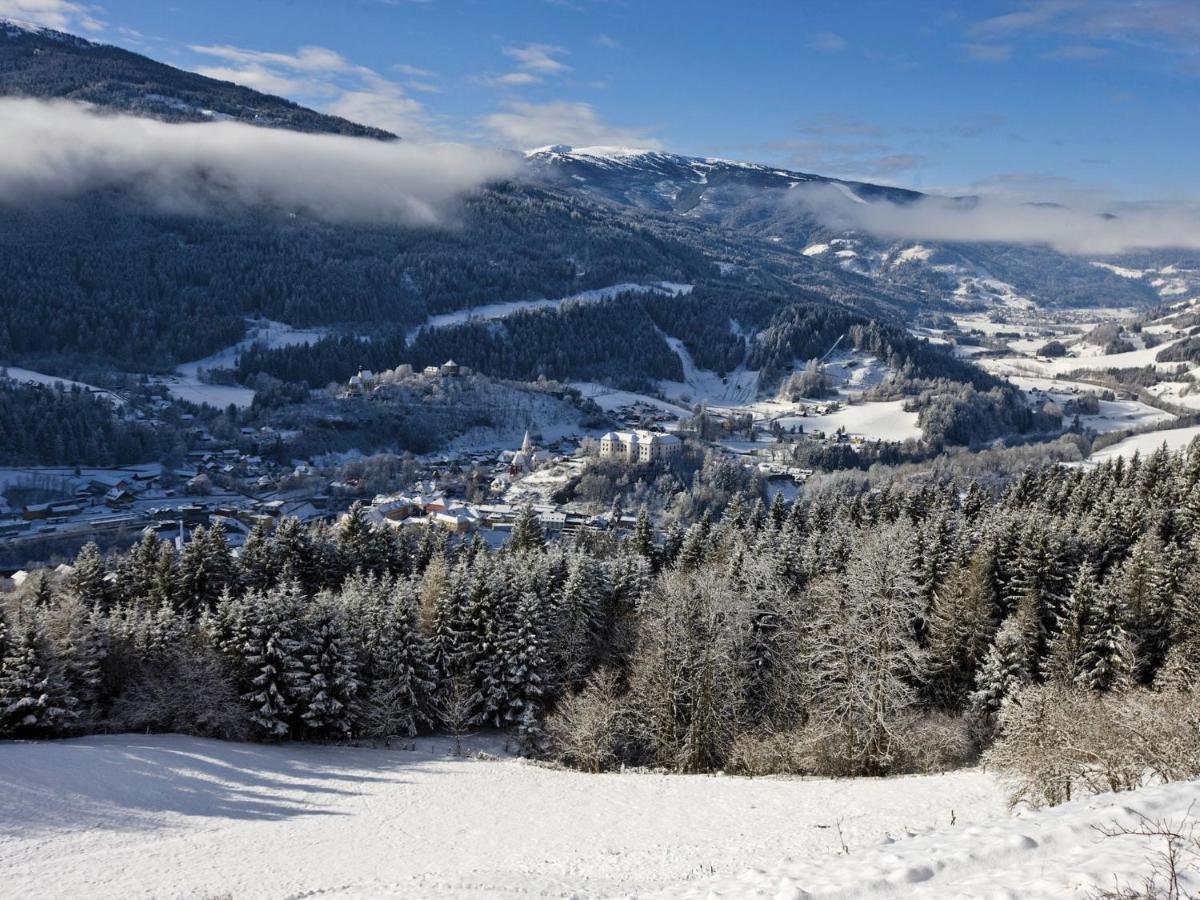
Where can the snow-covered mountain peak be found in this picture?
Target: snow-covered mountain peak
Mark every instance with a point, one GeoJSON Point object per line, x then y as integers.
{"type": "Point", "coordinates": [12, 28]}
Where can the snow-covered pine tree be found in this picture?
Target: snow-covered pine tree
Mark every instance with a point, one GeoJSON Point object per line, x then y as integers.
{"type": "Point", "coordinates": [959, 630]}
{"type": "Point", "coordinates": [35, 700]}
{"type": "Point", "coordinates": [779, 510]}
{"type": "Point", "coordinates": [578, 623]}
{"type": "Point", "coordinates": [256, 562]}
{"type": "Point", "coordinates": [83, 652]}
{"type": "Point", "coordinates": [205, 570]}
{"type": "Point", "coordinates": [480, 662]}
{"type": "Point", "coordinates": [1107, 659]}
{"type": "Point", "coordinates": [521, 647]}
{"type": "Point", "coordinates": [864, 656]}
{"type": "Point", "coordinates": [643, 537]}
{"type": "Point", "coordinates": [295, 555]}
{"type": "Point", "coordinates": [39, 591]}
{"type": "Point", "coordinates": [527, 531]}
{"type": "Point", "coordinates": [402, 693]}
{"type": "Point", "coordinates": [358, 545]}
{"type": "Point", "coordinates": [447, 634]}
{"type": "Point", "coordinates": [274, 660]}
{"type": "Point", "coordinates": [330, 671]}
{"type": "Point", "coordinates": [1004, 670]}
{"type": "Point", "coordinates": [1065, 654]}
{"type": "Point", "coordinates": [87, 580]}
{"type": "Point", "coordinates": [693, 549]}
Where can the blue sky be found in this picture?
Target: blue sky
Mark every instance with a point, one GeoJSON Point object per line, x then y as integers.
{"type": "Point", "coordinates": [1032, 97]}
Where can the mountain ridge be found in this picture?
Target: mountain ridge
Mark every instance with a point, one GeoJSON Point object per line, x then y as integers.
{"type": "Point", "coordinates": [43, 63]}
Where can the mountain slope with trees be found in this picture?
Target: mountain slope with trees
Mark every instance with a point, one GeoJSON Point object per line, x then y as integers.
{"type": "Point", "coordinates": [52, 65]}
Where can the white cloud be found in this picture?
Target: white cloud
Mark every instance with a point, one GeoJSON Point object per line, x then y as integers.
{"type": "Point", "coordinates": [262, 79]}
{"type": "Point", "coordinates": [514, 79]}
{"type": "Point", "coordinates": [63, 15]}
{"type": "Point", "coordinates": [1163, 26]}
{"type": "Point", "coordinates": [1077, 52]}
{"type": "Point", "coordinates": [306, 59]}
{"type": "Point", "coordinates": [540, 58]}
{"type": "Point", "coordinates": [61, 148]}
{"type": "Point", "coordinates": [828, 42]}
{"type": "Point", "coordinates": [382, 108]}
{"type": "Point", "coordinates": [327, 80]}
{"type": "Point", "coordinates": [1079, 229]}
{"type": "Point", "coordinates": [527, 125]}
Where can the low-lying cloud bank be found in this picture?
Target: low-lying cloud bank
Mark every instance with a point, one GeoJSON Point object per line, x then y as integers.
{"type": "Point", "coordinates": [61, 148]}
{"type": "Point", "coordinates": [1095, 231]}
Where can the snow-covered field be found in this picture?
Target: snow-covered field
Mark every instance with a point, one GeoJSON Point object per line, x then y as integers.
{"type": "Point", "coordinates": [1144, 444]}
{"type": "Point", "coordinates": [1056, 853]}
{"type": "Point", "coordinates": [28, 376]}
{"type": "Point", "coordinates": [500, 310]}
{"type": "Point", "coordinates": [171, 816]}
{"type": "Point", "coordinates": [737, 388]}
{"type": "Point", "coordinates": [186, 383]}
{"type": "Point", "coordinates": [886, 420]}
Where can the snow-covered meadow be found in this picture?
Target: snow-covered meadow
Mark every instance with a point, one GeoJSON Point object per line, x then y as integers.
{"type": "Point", "coordinates": [173, 816]}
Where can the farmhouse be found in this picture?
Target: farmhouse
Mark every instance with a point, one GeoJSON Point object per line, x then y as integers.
{"type": "Point", "coordinates": [639, 446]}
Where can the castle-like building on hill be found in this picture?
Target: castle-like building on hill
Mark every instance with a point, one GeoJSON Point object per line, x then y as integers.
{"type": "Point", "coordinates": [639, 446]}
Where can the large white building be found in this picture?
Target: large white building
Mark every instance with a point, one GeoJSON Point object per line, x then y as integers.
{"type": "Point", "coordinates": [639, 446]}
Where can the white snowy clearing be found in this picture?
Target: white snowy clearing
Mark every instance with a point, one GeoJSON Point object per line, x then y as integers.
{"type": "Point", "coordinates": [500, 310]}
{"type": "Point", "coordinates": [737, 388]}
{"type": "Point", "coordinates": [1175, 439]}
{"type": "Point", "coordinates": [1056, 853]}
{"type": "Point", "coordinates": [186, 383]}
{"type": "Point", "coordinates": [172, 816]}
{"type": "Point", "coordinates": [28, 376]}
{"type": "Point", "coordinates": [883, 420]}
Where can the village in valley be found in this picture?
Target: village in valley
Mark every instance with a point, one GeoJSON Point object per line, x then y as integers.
{"type": "Point", "coordinates": [247, 479]}
{"type": "Point", "coordinates": [499, 446]}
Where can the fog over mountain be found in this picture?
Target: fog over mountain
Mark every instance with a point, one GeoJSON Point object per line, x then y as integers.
{"type": "Point", "coordinates": [62, 148]}
{"type": "Point", "coordinates": [1098, 230]}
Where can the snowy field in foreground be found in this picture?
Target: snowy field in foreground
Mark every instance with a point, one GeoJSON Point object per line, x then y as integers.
{"type": "Point", "coordinates": [170, 816]}
{"type": "Point", "coordinates": [1060, 852]}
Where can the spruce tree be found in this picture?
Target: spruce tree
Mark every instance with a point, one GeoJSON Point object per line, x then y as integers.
{"type": "Point", "coordinates": [35, 700]}
{"type": "Point", "coordinates": [959, 630]}
{"type": "Point", "coordinates": [330, 671]}
{"type": "Point", "coordinates": [83, 653]}
{"type": "Point", "coordinates": [643, 536]}
{"type": "Point", "coordinates": [1067, 647]}
{"type": "Point", "coordinates": [1107, 658]}
{"type": "Point", "coordinates": [1004, 671]}
{"type": "Point", "coordinates": [527, 531]}
{"type": "Point", "coordinates": [402, 693]}
{"type": "Point", "coordinates": [578, 621]}
{"type": "Point", "coordinates": [87, 581]}
{"type": "Point", "coordinates": [274, 660]}
{"type": "Point", "coordinates": [480, 661]}
{"type": "Point", "coordinates": [521, 647]}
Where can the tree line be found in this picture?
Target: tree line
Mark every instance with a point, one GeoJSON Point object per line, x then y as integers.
{"type": "Point", "coordinates": [854, 632]}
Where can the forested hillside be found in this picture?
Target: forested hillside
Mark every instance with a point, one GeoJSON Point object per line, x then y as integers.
{"type": "Point", "coordinates": [40, 62]}
{"type": "Point", "coordinates": [103, 278]}
{"type": "Point", "coordinates": [48, 426]}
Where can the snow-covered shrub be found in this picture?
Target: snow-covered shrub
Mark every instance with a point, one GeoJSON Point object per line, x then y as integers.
{"type": "Point", "coordinates": [584, 730]}
{"type": "Point", "coordinates": [767, 752]}
{"type": "Point", "coordinates": [934, 742]}
{"type": "Point", "coordinates": [188, 692]}
{"type": "Point", "coordinates": [1059, 742]}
